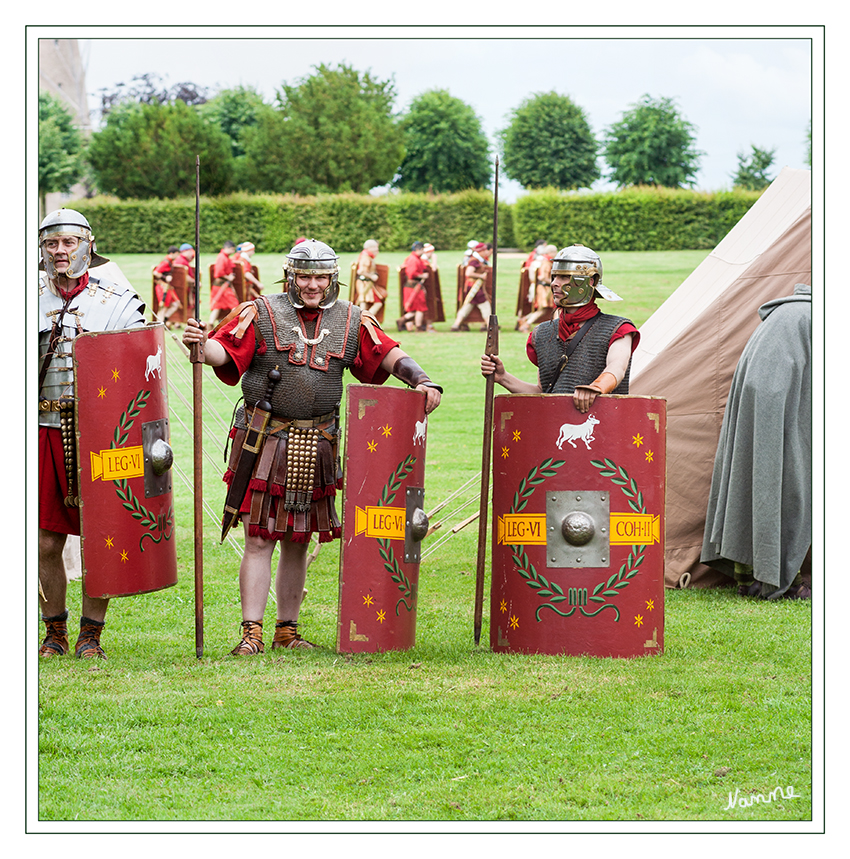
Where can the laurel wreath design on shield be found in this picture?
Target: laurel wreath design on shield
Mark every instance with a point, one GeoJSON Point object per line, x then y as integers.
{"type": "Point", "coordinates": [391, 565]}
{"type": "Point", "coordinates": [577, 597]}
{"type": "Point", "coordinates": [161, 526]}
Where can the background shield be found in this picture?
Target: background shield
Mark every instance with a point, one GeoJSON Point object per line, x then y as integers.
{"type": "Point", "coordinates": [383, 272]}
{"type": "Point", "coordinates": [185, 292]}
{"type": "Point", "coordinates": [475, 314]}
{"type": "Point", "coordinates": [123, 462]}
{"type": "Point", "coordinates": [578, 525]}
{"type": "Point", "coordinates": [383, 488]}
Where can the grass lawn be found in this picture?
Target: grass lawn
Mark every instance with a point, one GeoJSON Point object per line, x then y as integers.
{"type": "Point", "coordinates": [446, 731]}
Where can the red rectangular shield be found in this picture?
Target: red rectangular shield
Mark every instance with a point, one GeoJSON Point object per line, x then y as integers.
{"type": "Point", "coordinates": [123, 462]}
{"type": "Point", "coordinates": [578, 525]}
{"type": "Point", "coordinates": [382, 523]}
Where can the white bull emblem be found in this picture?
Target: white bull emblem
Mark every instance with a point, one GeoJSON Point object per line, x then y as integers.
{"type": "Point", "coordinates": [154, 364]}
{"type": "Point", "coordinates": [419, 435]}
{"type": "Point", "coordinates": [574, 432]}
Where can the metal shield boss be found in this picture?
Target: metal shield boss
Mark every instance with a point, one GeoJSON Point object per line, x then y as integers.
{"type": "Point", "coordinates": [578, 526]}
{"type": "Point", "coordinates": [384, 520]}
{"type": "Point", "coordinates": [124, 462]}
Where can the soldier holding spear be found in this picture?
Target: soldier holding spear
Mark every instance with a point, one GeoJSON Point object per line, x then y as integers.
{"type": "Point", "coordinates": [289, 351]}
{"type": "Point", "coordinates": [581, 350]}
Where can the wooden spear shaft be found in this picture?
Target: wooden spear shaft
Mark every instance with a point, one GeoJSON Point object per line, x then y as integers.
{"type": "Point", "coordinates": [492, 348]}
{"type": "Point", "coordinates": [197, 359]}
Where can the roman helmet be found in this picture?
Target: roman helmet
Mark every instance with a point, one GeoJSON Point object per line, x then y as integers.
{"type": "Point", "coordinates": [312, 257]}
{"type": "Point", "coordinates": [584, 268]}
{"type": "Point", "coordinates": [68, 222]}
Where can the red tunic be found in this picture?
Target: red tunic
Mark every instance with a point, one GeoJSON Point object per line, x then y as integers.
{"type": "Point", "coordinates": [165, 294]}
{"type": "Point", "coordinates": [222, 295]}
{"type": "Point", "coordinates": [366, 369]}
{"type": "Point", "coordinates": [415, 300]}
{"type": "Point", "coordinates": [53, 515]}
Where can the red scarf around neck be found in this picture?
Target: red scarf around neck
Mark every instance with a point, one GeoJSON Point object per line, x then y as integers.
{"type": "Point", "coordinates": [569, 323]}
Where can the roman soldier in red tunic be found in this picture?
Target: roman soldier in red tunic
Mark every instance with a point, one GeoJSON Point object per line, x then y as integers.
{"type": "Point", "coordinates": [288, 351]}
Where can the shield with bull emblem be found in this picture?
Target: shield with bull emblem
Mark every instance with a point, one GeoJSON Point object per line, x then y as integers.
{"type": "Point", "coordinates": [123, 462]}
{"type": "Point", "coordinates": [578, 526]}
{"type": "Point", "coordinates": [383, 518]}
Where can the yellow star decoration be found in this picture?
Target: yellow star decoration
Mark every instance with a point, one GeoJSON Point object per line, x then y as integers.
{"type": "Point", "coordinates": [381, 616]}
{"type": "Point", "coordinates": [101, 392]}
{"type": "Point", "coordinates": [124, 556]}
{"type": "Point", "coordinates": [638, 620]}
{"type": "Point", "coordinates": [503, 606]}
{"type": "Point", "coordinates": [372, 445]}
{"type": "Point", "coordinates": [516, 435]}
{"type": "Point", "coordinates": [367, 600]}
{"type": "Point", "coordinates": [650, 605]}
{"type": "Point", "coordinates": [109, 543]}
{"type": "Point", "coordinates": [637, 439]}
{"type": "Point", "coordinates": [115, 375]}
{"type": "Point", "coordinates": [505, 453]}
{"type": "Point", "coordinates": [386, 429]}
{"type": "Point", "coordinates": [649, 456]}
{"type": "Point", "coordinates": [514, 622]}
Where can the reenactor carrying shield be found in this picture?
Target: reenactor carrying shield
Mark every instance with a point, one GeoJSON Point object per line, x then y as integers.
{"type": "Point", "coordinates": [288, 351]}
{"type": "Point", "coordinates": [581, 350]}
{"type": "Point", "coordinates": [71, 302]}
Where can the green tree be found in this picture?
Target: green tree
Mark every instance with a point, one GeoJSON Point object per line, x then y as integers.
{"type": "Point", "coordinates": [752, 169]}
{"type": "Point", "coordinates": [148, 150]}
{"type": "Point", "coordinates": [652, 145]}
{"type": "Point", "coordinates": [333, 131]}
{"type": "Point", "coordinates": [445, 147]}
{"type": "Point", "coordinates": [234, 110]}
{"type": "Point", "coordinates": [549, 143]}
{"type": "Point", "coordinates": [60, 146]}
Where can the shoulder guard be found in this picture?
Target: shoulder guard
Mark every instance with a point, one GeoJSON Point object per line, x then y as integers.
{"type": "Point", "coordinates": [247, 313]}
{"type": "Point", "coordinates": [370, 323]}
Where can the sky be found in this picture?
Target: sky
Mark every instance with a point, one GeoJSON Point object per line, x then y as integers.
{"type": "Point", "coordinates": [736, 90]}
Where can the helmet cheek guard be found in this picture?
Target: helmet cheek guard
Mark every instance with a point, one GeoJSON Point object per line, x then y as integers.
{"type": "Point", "coordinates": [579, 292]}
{"type": "Point", "coordinates": [584, 268]}
{"type": "Point", "coordinates": [312, 257]}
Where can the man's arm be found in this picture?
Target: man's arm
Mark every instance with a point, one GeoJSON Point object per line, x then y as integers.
{"type": "Point", "coordinates": [493, 364]}
{"type": "Point", "coordinates": [215, 355]}
{"type": "Point", "coordinates": [399, 364]}
{"type": "Point", "coordinates": [619, 354]}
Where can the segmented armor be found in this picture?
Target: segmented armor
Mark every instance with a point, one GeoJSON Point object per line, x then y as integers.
{"type": "Point", "coordinates": [101, 306]}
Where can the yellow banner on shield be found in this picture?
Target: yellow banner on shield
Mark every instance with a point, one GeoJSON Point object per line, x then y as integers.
{"type": "Point", "coordinates": [381, 522]}
{"type": "Point", "coordinates": [118, 464]}
{"type": "Point", "coordinates": [635, 529]}
{"type": "Point", "coordinates": [523, 529]}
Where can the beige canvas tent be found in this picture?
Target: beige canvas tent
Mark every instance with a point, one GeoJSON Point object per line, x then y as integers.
{"type": "Point", "coordinates": [691, 345]}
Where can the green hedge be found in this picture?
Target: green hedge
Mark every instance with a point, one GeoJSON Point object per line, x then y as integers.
{"type": "Point", "coordinates": [636, 219]}
{"type": "Point", "coordinates": [274, 221]}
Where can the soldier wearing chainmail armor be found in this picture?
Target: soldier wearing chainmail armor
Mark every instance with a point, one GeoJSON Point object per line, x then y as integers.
{"type": "Point", "coordinates": [71, 301]}
{"type": "Point", "coordinates": [288, 352]}
{"type": "Point", "coordinates": [581, 351]}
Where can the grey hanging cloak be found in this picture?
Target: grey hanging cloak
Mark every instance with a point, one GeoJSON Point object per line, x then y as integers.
{"type": "Point", "coordinates": [760, 504]}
